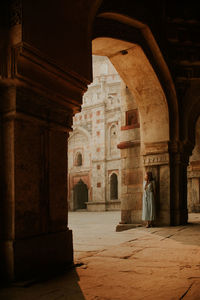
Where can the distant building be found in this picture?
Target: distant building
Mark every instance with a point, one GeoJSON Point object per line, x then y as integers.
{"type": "Point", "coordinates": [94, 165]}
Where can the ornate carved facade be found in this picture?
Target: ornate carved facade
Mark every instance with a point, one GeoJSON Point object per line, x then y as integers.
{"type": "Point", "coordinates": [95, 136]}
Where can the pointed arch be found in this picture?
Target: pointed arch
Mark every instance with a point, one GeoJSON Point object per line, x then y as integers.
{"type": "Point", "coordinates": [113, 186]}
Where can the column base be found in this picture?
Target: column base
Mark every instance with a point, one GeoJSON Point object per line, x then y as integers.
{"type": "Point", "coordinates": [131, 216]}
{"type": "Point", "coordinates": [36, 256]}
{"type": "Point", "coordinates": [179, 217]}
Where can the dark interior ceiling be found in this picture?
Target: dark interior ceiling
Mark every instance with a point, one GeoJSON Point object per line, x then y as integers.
{"type": "Point", "coordinates": [175, 25]}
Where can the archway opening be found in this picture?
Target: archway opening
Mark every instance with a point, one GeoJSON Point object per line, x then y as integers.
{"type": "Point", "coordinates": [92, 146]}
{"type": "Point", "coordinates": [145, 130]}
{"type": "Point", "coordinates": [80, 195]}
{"type": "Point", "coordinates": [113, 187]}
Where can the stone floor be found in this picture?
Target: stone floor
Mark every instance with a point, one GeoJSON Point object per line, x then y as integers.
{"type": "Point", "coordinates": [154, 263]}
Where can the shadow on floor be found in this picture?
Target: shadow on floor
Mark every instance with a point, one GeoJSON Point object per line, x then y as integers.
{"type": "Point", "coordinates": [63, 286]}
{"type": "Point", "coordinates": [186, 234]}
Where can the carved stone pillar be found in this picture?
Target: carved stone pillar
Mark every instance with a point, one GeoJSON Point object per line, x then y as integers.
{"type": "Point", "coordinates": [131, 165]}
{"type": "Point", "coordinates": [34, 232]}
{"type": "Point", "coordinates": [131, 185]}
{"type": "Point", "coordinates": [38, 100]}
{"type": "Point", "coordinates": [179, 158]}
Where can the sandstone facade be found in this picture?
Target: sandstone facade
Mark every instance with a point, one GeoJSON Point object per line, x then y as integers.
{"type": "Point", "coordinates": [94, 140]}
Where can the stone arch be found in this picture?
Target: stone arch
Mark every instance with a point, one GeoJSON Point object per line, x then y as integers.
{"type": "Point", "coordinates": [80, 130]}
{"type": "Point", "coordinates": [138, 33]}
{"type": "Point", "coordinates": [190, 114]}
{"type": "Point", "coordinates": [145, 87]}
{"type": "Point", "coordinates": [140, 64]}
{"type": "Point", "coordinates": [113, 186]}
{"type": "Point", "coordinates": [80, 195]}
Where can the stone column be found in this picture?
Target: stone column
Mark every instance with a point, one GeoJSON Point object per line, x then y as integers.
{"type": "Point", "coordinates": [40, 89]}
{"type": "Point", "coordinates": [179, 159]}
{"type": "Point", "coordinates": [7, 203]}
{"type": "Point", "coordinates": [34, 234]}
{"type": "Point", "coordinates": [131, 164]}
{"type": "Point", "coordinates": [169, 167]}
{"type": "Point", "coordinates": [131, 182]}
{"type": "Point", "coordinates": [36, 108]}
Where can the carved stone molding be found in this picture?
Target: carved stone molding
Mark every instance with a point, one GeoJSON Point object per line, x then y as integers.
{"type": "Point", "coordinates": [195, 165]}
{"type": "Point", "coordinates": [30, 68]}
{"type": "Point", "coordinates": [193, 174]}
{"type": "Point", "coordinates": [156, 159]}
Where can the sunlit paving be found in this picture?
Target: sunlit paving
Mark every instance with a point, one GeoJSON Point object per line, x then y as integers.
{"type": "Point", "coordinates": [154, 263]}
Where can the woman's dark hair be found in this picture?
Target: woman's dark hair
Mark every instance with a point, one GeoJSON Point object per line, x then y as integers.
{"type": "Point", "coordinates": [150, 176]}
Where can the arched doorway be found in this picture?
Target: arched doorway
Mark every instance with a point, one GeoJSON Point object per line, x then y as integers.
{"type": "Point", "coordinates": [113, 187]}
{"type": "Point", "coordinates": [80, 195]}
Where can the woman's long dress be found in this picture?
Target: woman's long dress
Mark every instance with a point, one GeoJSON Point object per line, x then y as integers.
{"type": "Point", "coordinates": [148, 207]}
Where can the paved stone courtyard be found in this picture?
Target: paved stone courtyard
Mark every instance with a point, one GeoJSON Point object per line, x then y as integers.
{"type": "Point", "coordinates": [151, 264]}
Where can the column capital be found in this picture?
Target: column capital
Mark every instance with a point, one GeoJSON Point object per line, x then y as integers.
{"type": "Point", "coordinates": [185, 147]}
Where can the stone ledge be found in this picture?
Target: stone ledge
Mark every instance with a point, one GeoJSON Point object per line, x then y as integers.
{"type": "Point", "coordinates": [128, 144]}
{"type": "Point", "coordinates": [122, 227]}
{"type": "Point", "coordinates": [96, 206]}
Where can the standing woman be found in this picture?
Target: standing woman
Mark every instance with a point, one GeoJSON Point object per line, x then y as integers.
{"type": "Point", "coordinates": [148, 207]}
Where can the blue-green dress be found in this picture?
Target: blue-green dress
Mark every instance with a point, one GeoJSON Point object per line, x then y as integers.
{"type": "Point", "coordinates": [148, 202]}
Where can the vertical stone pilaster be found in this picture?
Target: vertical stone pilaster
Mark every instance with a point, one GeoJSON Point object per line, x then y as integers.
{"type": "Point", "coordinates": [33, 210]}
{"type": "Point", "coordinates": [178, 164]}
{"type": "Point", "coordinates": [131, 182]}
{"type": "Point", "coordinates": [7, 206]}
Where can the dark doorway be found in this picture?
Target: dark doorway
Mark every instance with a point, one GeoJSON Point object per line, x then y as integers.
{"type": "Point", "coordinates": [113, 187]}
{"type": "Point", "coordinates": [80, 195]}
